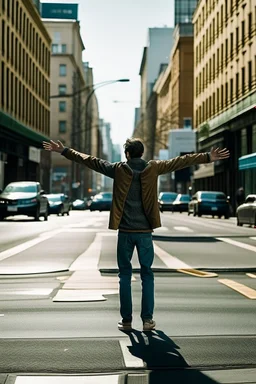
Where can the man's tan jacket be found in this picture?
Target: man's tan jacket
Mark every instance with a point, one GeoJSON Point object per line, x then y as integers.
{"type": "Point", "coordinates": [123, 174]}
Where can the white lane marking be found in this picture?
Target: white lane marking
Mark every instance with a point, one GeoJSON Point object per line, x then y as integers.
{"type": "Point", "coordinates": [28, 244]}
{"type": "Point", "coordinates": [252, 275]}
{"type": "Point", "coordinates": [169, 260]}
{"type": "Point", "coordinates": [1, 315]}
{"type": "Point", "coordinates": [184, 229]}
{"type": "Point", "coordinates": [107, 379]}
{"type": "Point", "coordinates": [90, 258]}
{"type": "Point", "coordinates": [240, 288]}
{"type": "Point", "coordinates": [32, 291]}
{"type": "Point", "coordinates": [86, 283]}
{"type": "Point", "coordinates": [253, 238]}
{"type": "Point", "coordinates": [130, 360]}
{"type": "Point", "coordinates": [161, 229]}
{"type": "Point", "coordinates": [237, 243]}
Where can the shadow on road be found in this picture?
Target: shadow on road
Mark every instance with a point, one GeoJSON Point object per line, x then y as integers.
{"type": "Point", "coordinates": [162, 357]}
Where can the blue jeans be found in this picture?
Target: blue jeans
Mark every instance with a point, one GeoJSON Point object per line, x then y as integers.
{"type": "Point", "coordinates": [125, 247]}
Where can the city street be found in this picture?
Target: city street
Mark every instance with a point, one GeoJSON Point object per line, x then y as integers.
{"type": "Point", "coordinates": [60, 305]}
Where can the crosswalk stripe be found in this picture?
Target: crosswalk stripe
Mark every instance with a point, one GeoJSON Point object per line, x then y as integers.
{"type": "Point", "coordinates": [170, 261]}
{"type": "Point", "coordinates": [240, 288]}
{"type": "Point", "coordinates": [237, 243]}
{"type": "Point", "coordinates": [252, 275]}
{"type": "Point", "coordinates": [96, 379]}
{"type": "Point", "coordinates": [130, 360]}
{"type": "Point", "coordinates": [185, 229]}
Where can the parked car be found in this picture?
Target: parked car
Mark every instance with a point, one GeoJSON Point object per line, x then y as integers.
{"type": "Point", "coordinates": [165, 200]}
{"type": "Point", "coordinates": [101, 202]}
{"type": "Point", "coordinates": [79, 205]}
{"type": "Point", "coordinates": [23, 198]}
{"type": "Point", "coordinates": [246, 212]}
{"type": "Point", "coordinates": [58, 203]}
{"type": "Point", "coordinates": [180, 204]}
{"type": "Point", "coordinates": [209, 203]}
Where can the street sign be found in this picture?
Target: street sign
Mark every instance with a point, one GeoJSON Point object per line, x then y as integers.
{"type": "Point", "coordinates": [59, 11]}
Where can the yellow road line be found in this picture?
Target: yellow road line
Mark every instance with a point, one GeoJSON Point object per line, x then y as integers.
{"type": "Point", "coordinates": [252, 275]}
{"type": "Point", "coordinates": [197, 273]}
{"type": "Point", "coordinates": [240, 288]}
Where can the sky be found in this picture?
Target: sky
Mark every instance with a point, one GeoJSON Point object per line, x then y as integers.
{"type": "Point", "coordinates": [114, 33]}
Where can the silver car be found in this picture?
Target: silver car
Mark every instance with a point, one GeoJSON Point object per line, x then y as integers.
{"type": "Point", "coordinates": [246, 212]}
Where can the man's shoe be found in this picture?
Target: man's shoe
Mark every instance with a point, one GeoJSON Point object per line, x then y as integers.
{"type": "Point", "coordinates": [149, 325]}
{"type": "Point", "coordinates": [124, 325]}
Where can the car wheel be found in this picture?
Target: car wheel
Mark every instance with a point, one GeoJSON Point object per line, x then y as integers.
{"type": "Point", "coordinates": [1, 218]}
{"type": "Point", "coordinates": [68, 213]}
{"type": "Point", "coordinates": [37, 215]}
{"type": "Point", "coordinates": [238, 223]}
{"type": "Point", "coordinates": [219, 216]}
{"type": "Point", "coordinates": [194, 212]}
{"type": "Point", "coordinates": [188, 213]}
{"type": "Point", "coordinates": [226, 217]}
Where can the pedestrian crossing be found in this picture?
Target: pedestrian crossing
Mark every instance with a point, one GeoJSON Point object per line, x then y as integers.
{"type": "Point", "coordinates": [85, 281]}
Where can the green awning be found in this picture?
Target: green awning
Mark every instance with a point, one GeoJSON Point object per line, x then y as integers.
{"type": "Point", "coordinates": [13, 125]}
{"type": "Point", "coordinates": [247, 161]}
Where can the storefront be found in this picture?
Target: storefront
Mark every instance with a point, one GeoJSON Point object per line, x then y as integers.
{"type": "Point", "coordinates": [21, 154]}
{"type": "Point", "coordinates": [247, 167]}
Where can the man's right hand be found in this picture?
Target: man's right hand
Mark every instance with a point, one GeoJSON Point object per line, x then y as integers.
{"type": "Point", "coordinates": [53, 147]}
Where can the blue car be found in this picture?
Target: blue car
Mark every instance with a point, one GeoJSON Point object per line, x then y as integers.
{"type": "Point", "coordinates": [101, 202]}
{"type": "Point", "coordinates": [58, 204]}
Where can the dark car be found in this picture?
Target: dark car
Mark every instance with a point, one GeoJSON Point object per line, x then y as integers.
{"type": "Point", "coordinates": [165, 200]}
{"type": "Point", "coordinates": [246, 212]}
{"type": "Point", "coordinates": [23, 198]}
{"type": "Point", "coordinates": [180, 204]}
{"type": "Point", "coordinates": [209, 203]}
{"type": "Point", "coordinates": [101, 202]}
{"type": "Point", "coordinates": [58, 203]}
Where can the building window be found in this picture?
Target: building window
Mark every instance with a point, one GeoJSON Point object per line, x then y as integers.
{"type": "Point", "coordinates": [250, 25]}
{"type": "Point", "coordinates": [63, 48]}
{"type": "Point", "coordinates": [187, 122]}
{"type": "Point", "coordinates": [237, 39]}
{"type": "Point", "coordinates": [56, 37]}
{"type": "Point", "coordinates": [231, 91]}
{"type": "Point", "coordinates": [62, 89]}
{"type": "Point", "coordinates": [63, 70]}
{"type": "Point", "coordinates": [250, 75]}
{"type": "Point", "coordinates": [54, 48]}
{"type": "Point", "coordinates": [231, 7]}
{"type": "Point", "coordinates": [62, 106]}
{"type": "Point", "coordinates": [226, 58]}
{"type": "Point", "coordinates": [243, 142]}
{"type": "Point", "coordinates": [231, 45]}
{"type": "Point", "coordinates": [62, 126]}
{"type": "Point", "coordinates": [243, 80]}
{"type": "Point", "coordinates": [243, 33]}
{"type": "Point", "coordinates": [222, 97]}
{"type": "Point", "coordinates": [237, 85]}
{"type": "Point", "coordinates": [226, 94]}
{"type": "Point", "coordinates": [254, 138]}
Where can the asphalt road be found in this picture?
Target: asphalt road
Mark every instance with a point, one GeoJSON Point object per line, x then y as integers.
{"type": "Point", "coordinates": [60, 305]}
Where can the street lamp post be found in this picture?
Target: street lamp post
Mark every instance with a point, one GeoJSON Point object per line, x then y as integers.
{"type": "Point", "coordinates": [87, 143]}
{"type": "Point", "coordinates": [93, 88]}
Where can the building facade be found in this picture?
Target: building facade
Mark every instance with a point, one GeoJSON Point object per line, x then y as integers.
{"type": "Point", "coordinates": [184, 10]}
{"type": "Point", "coordinates": [156, 53]}
{"type": "Point", "coordinates": [225, 90]}
{"type": "Point", "coordinates": [24, 95]}
{"type": "Point", "coordinates": [67, 102]}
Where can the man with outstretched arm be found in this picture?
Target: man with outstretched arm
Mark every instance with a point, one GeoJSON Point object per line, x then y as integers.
{"type": "Point", "coordinates": [135, 213]}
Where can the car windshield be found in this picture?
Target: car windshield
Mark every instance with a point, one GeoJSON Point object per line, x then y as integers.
{"type": "Point", "coordinates": [168, 196]}
{"type": "Point", "coordinates": [185, 198]}
{"type": "Point", "coordinates": [20, 188]}
{"type": "Point", "coordinates": [217, 196]}
{"type": "Point", "coordinates": [103, 196]}
{"type": "Point", "coordinates": [54, 198]}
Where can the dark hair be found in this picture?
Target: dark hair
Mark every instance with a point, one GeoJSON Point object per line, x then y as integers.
{"type": "Point", "coordinates": [134, 146]}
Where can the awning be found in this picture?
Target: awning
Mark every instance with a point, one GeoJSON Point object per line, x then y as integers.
{"type": "Point", "coordinates": [247, 161]}
{"type": "Point", "coordinates": [13, 125]}
{"type": "Point", "coordinates": [204, 170]}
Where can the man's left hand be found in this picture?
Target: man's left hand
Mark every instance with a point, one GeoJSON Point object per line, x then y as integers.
{"type": "Point", "coordinates": [219, 154]}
